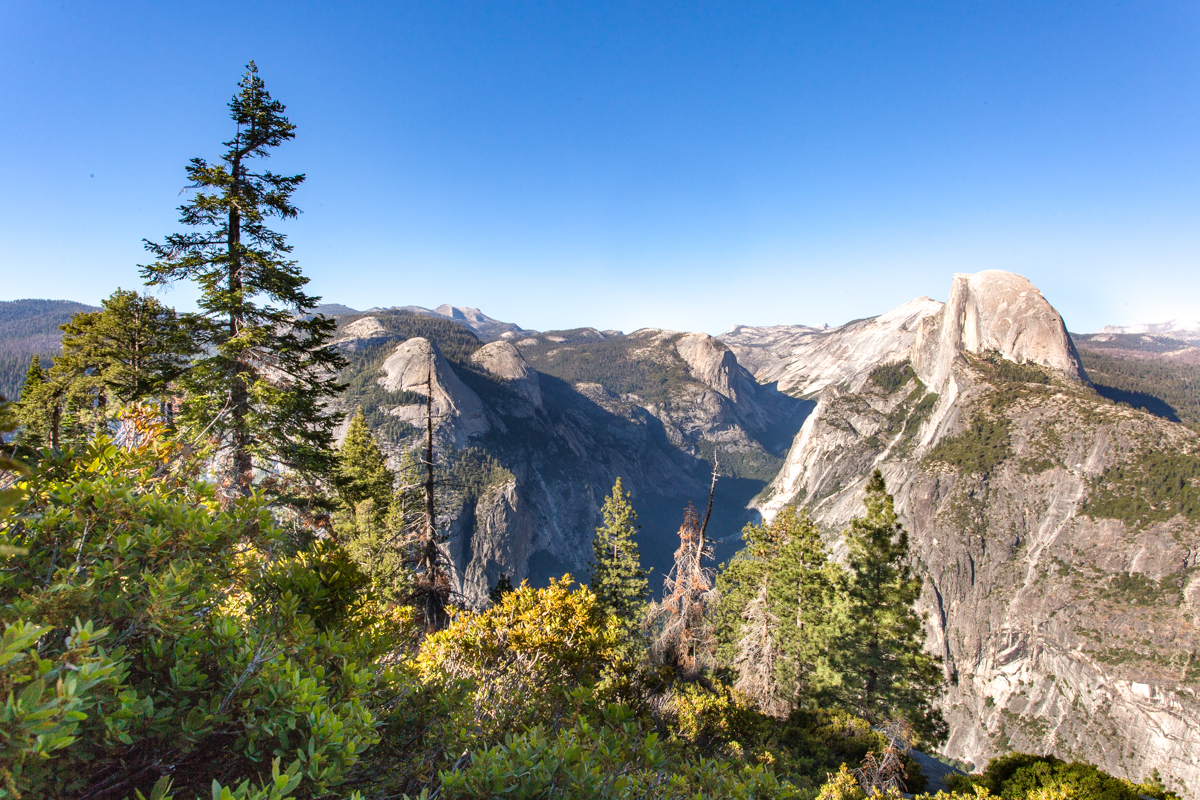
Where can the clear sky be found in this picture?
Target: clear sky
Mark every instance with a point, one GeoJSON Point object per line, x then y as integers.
{"type": "Point", "coordinates": [685, 165]}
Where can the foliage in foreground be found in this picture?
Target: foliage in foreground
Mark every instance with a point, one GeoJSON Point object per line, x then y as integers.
{"type": "Point", "coordinates": [156, 643]}
{"type": "Point", "coordinates": [148, 633]}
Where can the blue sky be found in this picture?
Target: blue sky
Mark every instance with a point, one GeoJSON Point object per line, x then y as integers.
{"type": "Point", "coordinates": [684, 165]}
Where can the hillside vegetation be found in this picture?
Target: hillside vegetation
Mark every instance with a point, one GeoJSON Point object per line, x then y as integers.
{"type": "Point", "coordinates": [29, 328]}
{"type": "Point", "coordinates": [634, 364]}
{"type": "Point", "coordinates": [1154, 373]}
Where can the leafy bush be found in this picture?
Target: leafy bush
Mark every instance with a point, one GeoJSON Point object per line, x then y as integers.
{"type": "Point", "coordinates": [523, 657]}
{"type": "Point", "coordinates": [205, 652]}
{"type": "Point", "coordinates": [1023, 776]}
{"type": "Point", "coordinates": [612, 757]}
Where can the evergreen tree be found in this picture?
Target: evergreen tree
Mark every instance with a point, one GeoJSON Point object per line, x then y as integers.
{"type": "Point", "coordinates": [260, 390]}
{"type": "Point", "coordinates": [885, 673]}
{"type": "Point", "coordinates": [131, 349]}
{"type": "Point", "coordinates": [803, 592]}
{"type": "Point", "coordinates": [786, 563]}
{"type": "Point", "coordinates": [496, 593]}
{"type": "Point", "coordinates": [617, 577]}
{"type": "Point", "coordinates": [39, 411]}
{"type": "Point", "coordinates": [755, 661]}
{"type": "Point", "coordinates": [361, 472]}
{"type": "Point", "coordinates": [378, 538]}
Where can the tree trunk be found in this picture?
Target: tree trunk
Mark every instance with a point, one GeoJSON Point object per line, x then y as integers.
{"type": "Point", "coordinates": [239, 395]}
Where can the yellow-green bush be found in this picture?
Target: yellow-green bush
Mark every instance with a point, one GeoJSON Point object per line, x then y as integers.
{"type": "Point", "coordinates": [148, 632]}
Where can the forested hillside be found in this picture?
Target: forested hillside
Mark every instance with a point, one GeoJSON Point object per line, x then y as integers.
{"type": "Point", "coordinates": [29, 328]}
{"type": "Point", "coordinates": [1157, 373]}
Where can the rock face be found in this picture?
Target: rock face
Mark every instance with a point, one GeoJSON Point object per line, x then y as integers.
{"type": "Point", "coordinates": [549, 448]}
{"type": "Point", "coordinates": [504, 361]}
{"type": "Point", "coordinates": [802, 361]}
{"type": "Point", "coordinates": [1066, 625]}
{"type": "Point", "coordinates": [487, 328]}
{"type": "Point", "coordinates": [1185, 330]}
{"type": "Point", "coordinates": [408, 369]}
{"type": "Point", "coordinates": [994, 311]}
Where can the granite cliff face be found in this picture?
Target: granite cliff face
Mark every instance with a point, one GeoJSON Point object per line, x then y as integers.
{"type": "Point", "coordinates": [802, 361]}
{"type": "Point", "coordinates": [551, 420]}
{"type": "Point", "coordinates": [1056, 531]}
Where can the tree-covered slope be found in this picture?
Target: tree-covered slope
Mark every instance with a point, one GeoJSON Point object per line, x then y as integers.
{"type": "Point", "coordinates": [28, 328]}
{"type": "Point", "coordinates": [1157, 373]}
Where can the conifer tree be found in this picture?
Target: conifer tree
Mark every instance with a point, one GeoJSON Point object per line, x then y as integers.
{"type": "Point", "coordinates": [362, 472]}
{"type": "Point", "coordinates": [786, 560]}
{"type": "Point", "coordinates": [755, 661]}
{"type": "Point", "coordinates": [617, 577]}
{"type": "Point", "coordinates": [496, 593]}
{"type": "Point", "coordinates": [376, 537]}
{"type": "Point", "coordinates": [885, 673]}
{"type": "Point", "coordinates": [131, 349]}
{"type": "Point", "coordinates": [39, 411]}
{"type": "Point", "coordinates": [260, 391]}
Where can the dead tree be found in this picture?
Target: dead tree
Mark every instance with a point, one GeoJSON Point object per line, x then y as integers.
{"type": "Point", "coordinates": [682, 636]}
{"type": "Point", "coordinates": [432, 569]}
{"type": "Point", "coordinates": [884, 774]}
{"type": "Point", "coordinates": [755, 661]}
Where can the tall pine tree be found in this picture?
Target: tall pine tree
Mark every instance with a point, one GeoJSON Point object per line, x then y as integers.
{"type": "Point", "coordinates": [885, 673]}
{"type": "Point", "coordinates": [784, 576]}
{"type": "Point", "coordinates": [39, 411]}
{"type": "Point", "coordinates": [260, 391]}
{"type": "Point", "coordinates": [617, 577]}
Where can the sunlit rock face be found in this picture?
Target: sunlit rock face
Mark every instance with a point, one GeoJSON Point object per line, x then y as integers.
{"type": "Point", "coordinates": [802, 361]}
{"type": "Point", "coordinates": [994, 311]}
{"type": "Point", "coordinates": [416, 366]}
{"type": "Point", "coordinates": [1061, 631]}
{"type": "Point", "coordinates": [505, 362]}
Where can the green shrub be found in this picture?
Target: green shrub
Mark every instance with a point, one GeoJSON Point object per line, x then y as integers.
{"type": "Point", "coordinates": [614, 756]}
{"type": "Point", "coordinates": [1017, 776]}
{"type": "Point", "coordinates": [205, 651]}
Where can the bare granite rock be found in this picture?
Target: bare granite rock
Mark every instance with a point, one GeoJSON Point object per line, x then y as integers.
{"type": "Point", "coordinates": [408, 368]}
{"type": "Point", "coordinates": [1061, 631]}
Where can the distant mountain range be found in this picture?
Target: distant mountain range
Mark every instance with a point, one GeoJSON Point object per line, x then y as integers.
{"type": "Point", "coordinates": [1188, 331]}
{"type": "Point", "coordinates": [29, 328]}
